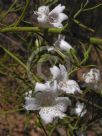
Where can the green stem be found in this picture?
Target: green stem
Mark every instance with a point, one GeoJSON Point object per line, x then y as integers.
{"type": "Point", "coordinates": [83, 26]}
{"type": "Point", "coordinates": [6, 13]}
{"type": "Point", "coordinates": [19, 61]}
{"type": "Point", "coordinates": [30, 29]}
{"type": "Point", "coordinates": [11, 111]}
{"type": "Point", "coordinates": [92, 40]}
{"type": "Point", "coordinates": [42, 126]}
{"type": "Point", "coordinates": [92, 8]}
{"type": "Point", "coordinates": [23, 13]}
{"type": "Point", "coordinates": [14, 57]}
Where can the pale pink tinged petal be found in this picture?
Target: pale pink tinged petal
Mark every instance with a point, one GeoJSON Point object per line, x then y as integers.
{"type": "Point", "coordinates": [58, 9]}
{"type": "Point", "coordinates": [62, 103]}
{"type": "Point", "coordinates": [40, 87]}
{"type": "Point", "coordinates": [63, 70]}
{"type": "Point", "coordinates": [48, 114]}
{"type": "Point", "coordinates": [55, 71]}
{"type": "Point", "coordinates": [62, 17]}
{"type": "Point", "coordinates": [31, 104]}
{"type": "Point", "coordinates": [65, 46]}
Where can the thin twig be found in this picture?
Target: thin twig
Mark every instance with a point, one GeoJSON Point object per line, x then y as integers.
{"type": "Point", "coordinates": [42, 126]}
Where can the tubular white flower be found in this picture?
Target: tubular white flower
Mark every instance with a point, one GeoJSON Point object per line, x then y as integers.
{"type": "Point", "coordinates": [62, 44]}
{"type": "Point", "coordinates": [51, 19]}
{"type": "Point", "coordinates": [48, 103]}
{"type": "Point", "coordinates": [92, 78]}
{"type": "Point", "coordinates": [64, 84]}
{"type": "Point", "coordinates": [79, 110]}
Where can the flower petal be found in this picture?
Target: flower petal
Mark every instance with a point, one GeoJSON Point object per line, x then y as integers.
{"type": "Point", "coordinates": [31, 104]}
{"type": "Point", "coordinates": [69, 86]}
{"type": "Point", "coordinates": [62, 17]}
{"type": "Point", "coordinates": [62, 103]}
{"type": "Point", "coordinates": [43, 10]}
{"type": "Point", "coordinates": [92, 76]}
{"type": "Point", "coordinates": [53, 86]}
{"type": "Point", "coordinates": [57, 25]}
{"type": "Point", "coordinates": [43, 21]}
{"type": "Point", "coordinates": [79, 110]}
{"type": "Point", "coordinates": [55, 71]}
{"type": "Point", "coordinates": [48, 114]}
{"type": "Point", "coordinates": [58, 9]}
{"type": "Point", "coordinates": [40, 87]}
{"type": "Point", "coordinates": [65, 46]}
{"type": "Point", "coordinates": [63, 70]}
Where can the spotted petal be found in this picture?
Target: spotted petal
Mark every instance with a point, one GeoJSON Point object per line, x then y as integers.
{"type": "Point", "coordinates": [48, 114]}
{"type": "Point", "coordinates": [62, 103]}
{"type": "Point", "coordinates": [69, 86]}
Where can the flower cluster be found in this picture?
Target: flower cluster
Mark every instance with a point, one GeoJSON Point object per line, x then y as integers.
{"type": "Point", "coordinates": [47, 97]}
{"type": "Point", "coordinates": [51, 98]}
{"type": "Point", "coordinates": [54, 18]}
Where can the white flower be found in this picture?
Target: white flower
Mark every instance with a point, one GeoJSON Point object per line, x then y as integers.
{"type": "Point", "coordinates": [69, 86]}
{"type": "Point", "coordinates": [51, 19]}
{"type": "Point", "coordinates": [92, 78]}
{"type": "Point", "coordinates": [64, 84]}
{"type": "Point", "coordinates": [48, 103]}
{"type": "Point", "coordinates": [79, 110]}
{"type": "Point", "coordinates": [62, 44]}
